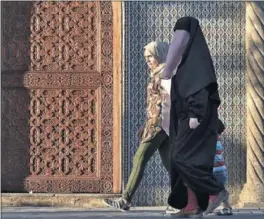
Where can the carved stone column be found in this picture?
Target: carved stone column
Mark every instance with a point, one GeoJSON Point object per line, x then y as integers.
{"type": "Point", "coordinates": [253, 191]}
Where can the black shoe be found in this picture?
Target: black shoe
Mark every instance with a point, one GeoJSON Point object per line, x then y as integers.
{"type": "Point", "coordinates": [225, 212]}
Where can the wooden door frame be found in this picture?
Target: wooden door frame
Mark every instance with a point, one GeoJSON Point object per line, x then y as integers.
{"type": "Point", "coordinates": [117, 95]}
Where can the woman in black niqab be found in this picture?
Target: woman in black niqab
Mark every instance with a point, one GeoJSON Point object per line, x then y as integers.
{"type": "Point", "coordinates": [193, 124]}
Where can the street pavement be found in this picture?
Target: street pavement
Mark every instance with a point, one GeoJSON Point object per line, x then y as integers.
{"type": "Point", "coordinates": [101, 213]}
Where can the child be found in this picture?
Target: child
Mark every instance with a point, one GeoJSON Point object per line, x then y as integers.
{"type": "Point", "coordinates": [220, 171]}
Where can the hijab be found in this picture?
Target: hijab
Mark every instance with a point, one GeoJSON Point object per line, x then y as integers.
{"type": "Point", "coordinates": [159, 50]}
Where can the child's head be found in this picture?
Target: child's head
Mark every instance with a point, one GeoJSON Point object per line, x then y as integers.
{"type": "Point", "coordinates": [220, 127]}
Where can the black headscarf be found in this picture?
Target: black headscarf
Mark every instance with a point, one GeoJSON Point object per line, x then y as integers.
{"type": "Point", "coordinates": [196, 70]}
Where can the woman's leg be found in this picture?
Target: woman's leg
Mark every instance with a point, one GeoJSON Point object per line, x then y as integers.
{"type": "Point", "coordinates": [192, 201]}
{"type": "Point", "coordinates": [165, 152]}
{"type": "Point", "coordinates": [142, 156]}
{"type": "Point", "coordinates": [221, 177]}
{"type": "Point", "coordinates": [165, 155]}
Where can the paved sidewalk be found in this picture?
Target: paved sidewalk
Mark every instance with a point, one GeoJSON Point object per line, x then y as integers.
{"type": "Point", "coordinates": [101, 213]}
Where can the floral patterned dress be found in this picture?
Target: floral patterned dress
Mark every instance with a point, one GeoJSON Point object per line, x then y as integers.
{"type": "Point", "coordinates": [153, 123]}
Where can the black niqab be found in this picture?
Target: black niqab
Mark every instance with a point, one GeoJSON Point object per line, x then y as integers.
{"type": "Point", "coordinates": [196, 65]}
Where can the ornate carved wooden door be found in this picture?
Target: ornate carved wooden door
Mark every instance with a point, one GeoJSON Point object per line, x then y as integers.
{"type": "Point", "coordinates": [71, 92]}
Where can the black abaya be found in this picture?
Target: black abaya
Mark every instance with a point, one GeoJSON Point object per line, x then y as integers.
{"type": "Point", "coordinates": [194, 94]}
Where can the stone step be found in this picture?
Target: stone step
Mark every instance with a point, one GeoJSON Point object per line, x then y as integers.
{"type": "Point", "coordinates": [55, 200]}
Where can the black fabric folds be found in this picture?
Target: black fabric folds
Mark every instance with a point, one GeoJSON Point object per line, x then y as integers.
{"type": "Point", "coordinates": [194, 94]}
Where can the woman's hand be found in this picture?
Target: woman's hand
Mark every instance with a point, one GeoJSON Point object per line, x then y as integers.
{"type": "Point", "coordinates": [166, 99]}
{"type": "Point", "coordinates": [193, 123]}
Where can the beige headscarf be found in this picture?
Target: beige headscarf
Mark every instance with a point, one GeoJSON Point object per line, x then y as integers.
{"type": "Point", "coordinates": [159, 50]}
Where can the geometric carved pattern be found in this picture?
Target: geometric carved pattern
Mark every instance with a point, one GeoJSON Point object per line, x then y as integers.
{"type": "Point", "coordinates": [63, 132]}
{"type": "Point", "coordinates": [71, 76]}
{"type": "Point", "coordinates": [63, 36]}
{"type": "Point", "coordinates": [223, 24]}
{"type": "Point", "coordinates": [62, 79]}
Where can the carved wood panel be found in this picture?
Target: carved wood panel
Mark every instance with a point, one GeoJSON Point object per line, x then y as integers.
{"type": "Point", "coordinates": [71, 92]}
{"type": "Point", "coordinates": [64, 36]}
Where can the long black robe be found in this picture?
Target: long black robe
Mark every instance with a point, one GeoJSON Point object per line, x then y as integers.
{"type": "Point", "coordinates": [220, 127]}
{"type": "Point", "coordinates": [194, 94]}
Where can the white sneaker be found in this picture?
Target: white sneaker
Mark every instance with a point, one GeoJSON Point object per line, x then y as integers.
{"type": "Point", "coordinates": [120, 204]}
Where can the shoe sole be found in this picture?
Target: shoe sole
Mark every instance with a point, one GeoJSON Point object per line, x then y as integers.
{"type": "Point", "coordinates": [188, 215]}
{"type": "Point", "coordinates": [171, 212]}
{"type": "Point", "coordinates": [229, 214]}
